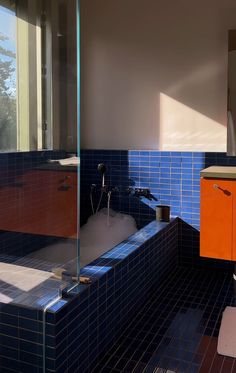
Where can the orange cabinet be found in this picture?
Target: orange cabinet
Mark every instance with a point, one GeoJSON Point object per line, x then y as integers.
{"type": "Point", "coordinates": [218, 218]}
{"type": "Point", "coordinates": [41, 202]}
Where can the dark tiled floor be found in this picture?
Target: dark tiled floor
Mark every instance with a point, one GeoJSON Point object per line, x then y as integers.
{"type": "Point", "coordinates": [176, 331]}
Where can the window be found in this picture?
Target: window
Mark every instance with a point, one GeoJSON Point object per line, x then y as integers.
{"type": "Point", "coordinates": [8, 103]}
{"type": "Point", "coordinates": [38, 75]}
{"type": "Point", "coordinates": [25, 76]}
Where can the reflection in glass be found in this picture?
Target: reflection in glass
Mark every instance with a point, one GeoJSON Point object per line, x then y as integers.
{"type": "Point", "coordinates": [38, 189]}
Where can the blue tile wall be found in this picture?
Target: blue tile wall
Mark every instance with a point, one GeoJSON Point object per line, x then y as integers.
{"type": "Point", "coordinates": [78, 330]}
{"type": "Point", "coordinates": [173, 178]}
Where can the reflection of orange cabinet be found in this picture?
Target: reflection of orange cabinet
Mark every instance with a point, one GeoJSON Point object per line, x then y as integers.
{"type": "Point", "coordinates": [218, 218]}
{"type": "Point", "coordinates": [41, 202]}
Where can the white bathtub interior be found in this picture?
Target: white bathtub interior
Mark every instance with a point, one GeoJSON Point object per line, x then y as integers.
{"type": "Point", "coordinates": [100, 234]}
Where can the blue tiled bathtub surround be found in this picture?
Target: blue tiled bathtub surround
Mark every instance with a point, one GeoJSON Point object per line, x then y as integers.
{"type": "Point", "coordinates": [173, 178]}
{"type": "Point", "coordinates": [79, 329]}
{"type": "Point", "coordinates": [21, 339]}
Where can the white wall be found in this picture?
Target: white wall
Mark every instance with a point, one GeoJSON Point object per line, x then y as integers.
{"type": "Point", "coordinates": [154, 73]}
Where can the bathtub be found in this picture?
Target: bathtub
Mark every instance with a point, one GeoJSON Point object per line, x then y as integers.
{"type": "Point", "coordinates": [103, 231]}
{"type": "Point", "coordinates": [64, 254]}
{"type": "Point", "coordinates": [122, 280]}
{"type": "Point", "coordinates": [91, 317]}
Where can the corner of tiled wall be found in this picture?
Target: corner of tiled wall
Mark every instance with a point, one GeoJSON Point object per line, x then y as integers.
{"type": "Point", "coordinates": [172, 177]}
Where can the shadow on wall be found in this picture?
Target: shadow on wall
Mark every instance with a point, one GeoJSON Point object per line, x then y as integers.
{"type": "Point", "coordinates": [122, 174]}
{"type": "Point", "coordinates": [145, 61]}
{"type": "Point", "coordinates": [172, 177]}
{"type": "Point", "coordinates": [189, 246]}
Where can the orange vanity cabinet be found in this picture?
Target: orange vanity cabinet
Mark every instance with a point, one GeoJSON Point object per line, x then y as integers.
{"type": "Point", "coordinates": [41, 202]}
{"type": "Point", "coordinates": [218, 218]}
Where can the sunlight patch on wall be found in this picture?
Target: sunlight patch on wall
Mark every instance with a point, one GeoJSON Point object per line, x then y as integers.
{"type": "Point", "coordinates": [185, 129]}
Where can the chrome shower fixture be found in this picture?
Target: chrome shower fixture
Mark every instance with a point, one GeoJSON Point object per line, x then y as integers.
{"type": "Point", "coordinates": [102, 169]}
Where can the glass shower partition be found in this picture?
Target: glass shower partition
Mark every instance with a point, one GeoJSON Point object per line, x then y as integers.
{"type": "Point", "coordinates": [39, 151]}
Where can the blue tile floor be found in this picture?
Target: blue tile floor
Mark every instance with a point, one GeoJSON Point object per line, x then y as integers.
{"type": "Point", "coordinates": [177, 329]}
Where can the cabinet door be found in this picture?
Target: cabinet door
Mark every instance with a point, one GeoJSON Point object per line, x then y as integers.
{"type": "Point", "coordinates": [44, 203]}
{"type": "Point", "coordinates": [216, 224]}
{"type": "Point", "coordinates": [62, 206]}
{"type": "Point", "coordinates": [51, 208]}
{"type": "Point", "coordinates": [234, 223]}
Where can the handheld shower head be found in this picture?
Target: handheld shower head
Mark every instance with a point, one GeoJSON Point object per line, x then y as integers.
{"type": "Point", "coordinates": [102, 169]}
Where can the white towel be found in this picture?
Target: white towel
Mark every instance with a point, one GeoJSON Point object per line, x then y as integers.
{"type": "Point", "coordinates": [72, 161]}
{"type": "Point", "coordinates": [227, 336]}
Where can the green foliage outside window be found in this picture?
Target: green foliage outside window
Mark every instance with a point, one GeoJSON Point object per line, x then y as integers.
{"type": "Point", "coordinates": [8, 120]}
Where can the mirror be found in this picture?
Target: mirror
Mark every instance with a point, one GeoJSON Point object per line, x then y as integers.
{"type": "Point", "coordinates": [231, 103]}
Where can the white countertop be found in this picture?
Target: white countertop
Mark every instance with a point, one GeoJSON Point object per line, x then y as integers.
{"type": "Point", "coordinates": [223, 172]}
